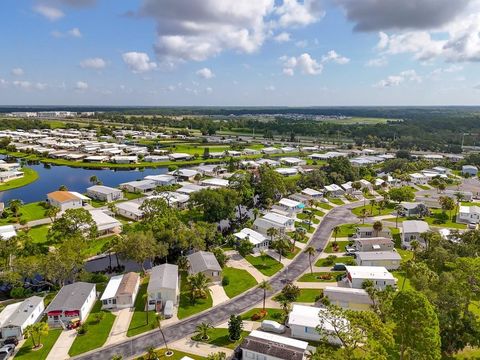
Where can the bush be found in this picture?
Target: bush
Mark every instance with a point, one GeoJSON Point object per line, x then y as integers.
{"type": "Point", "coordinates": [330, 260]}
{"type": "Point", "coordinates": [82, 330]}
{"type": "Point", "coordinates": [20, 293]}
{"type": "Point", "coordinates": [225, 281]}
{"type": "Point", "coordinates": [99, 316]}
{"type": "Point", "coordinates": [23, 222]}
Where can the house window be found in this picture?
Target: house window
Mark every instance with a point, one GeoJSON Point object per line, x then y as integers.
{"type": "Point", "coordinates": [114, 301]}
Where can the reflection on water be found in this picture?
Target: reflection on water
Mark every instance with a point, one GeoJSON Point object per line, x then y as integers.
{"type": "Point", "coordinates": [75, 179]}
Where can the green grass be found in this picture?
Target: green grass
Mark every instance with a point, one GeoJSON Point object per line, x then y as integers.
{"type": "Point", "coordinates": [97, 333]}
{"type": "Point", "coordinates": [177, 355]}
{"type": "Point", "coordinates": [138, 324]}
{"type": "Point", "coordinates": [470, 203]}
{"type": "Point", "coordinates": [220, 337]}
{"type": "Point", "coordinates": [186, 307]}
{"type": "Point", "coordinates": [405, 254]}
{"type": "Point", "coordinates": [309, 295]}
{"type": "Point", "coordinates": [436, 215]}
{"type": "Point", "coordinates": [95, 246]}
{"type": "Point", "coordinates": [467, 354]}
{"type": "Point", "coordinates": [400, 276]}
{"type": "Point", "coordinates": [29, 176]}
{"type": "Point", "coordinates": [131, 196]}
{"type": "Point", "coordinates": [272, 314]}
{"type": "Point", "coordinates": [347, 230]}
{"type": "Point", "coordinates": [26, 352]}
{"type": "Point", "coordinates": [341, 247]}
{"type": "Point", "coordinates": [267, 267]}
{"type": "Point", "coordinates": [325, 206]}
{"type": "Point", "coordinates": [97, 203]}
{"type": "Point", "coordinates": [316, 211]}
{"type": "Point", "coordinates": [299, 224]}
{"type": "Point", "coordinates": [336, 201]}
{"type": "Point", "coordinates": [424, 187]}
{"type": "Point", "coordinates": [292, 254]}
{"type": "Point", "coordinates": [348, 260]}
{"type": "Point", "coordinates": [28, 212]}
{"type": "Point", "coordinates": [39, 234]}
{"type": "Point", "coordinates": [315, 277]}
{"type": "Point", "coordinates": [239, 281]}
{"type": "Point", "coordinates": [376, 210]}
{"type": "Point", "coordinates": [303, 216]}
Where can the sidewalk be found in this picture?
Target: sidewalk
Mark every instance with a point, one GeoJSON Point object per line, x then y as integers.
{"type": "Point", "coordinates": [315, 285]}
{"type": "Point", "coordinates": [59, 351]}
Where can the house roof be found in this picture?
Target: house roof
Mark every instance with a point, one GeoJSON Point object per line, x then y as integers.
{"type": "Point", "coordinates": [62, 196]}
{"type": "Point", "coordinates": [276, 218]}
{"type": "Point", "coordinates": [163, 276]}
{"type": "Point", "coordinates": [469, 209]}
{"type": "Point", "coordinates": [378, 255]}
{"type": "Point", "coordinates": [104, 221]}
{"type": "Point", "coordinates": [140, 184]}
{"type": "Point", "coordinates": [369, 272]}
{"type": "Point", "coordinates": [102, 189]}
{"type": "Point", "coordinates": [202, 261]}
{"type": "Point", "coordinates": [375, 240]}
{"type": "Point", "coordinates": [253, 236]}
{"type": "Point", "coordinates": [311, 192]}
{"type": "Point", "coordinates": [275, 345]}
{"type": "Point", "coordinates": [128, 284]}
{"type": "Point", "coordinates": [130, 206]}
{"type": "Point", "coordinates": [345, 294]}
{"type": "Point", "coordinates": [71, 297]}
{"type": "Point", "coordinates": [22, 311]}
{"type": "Point", "coordinates": [112, 287]}
{"type": "Point", "coordinates": [215, 182]}
{"type": "Point", "coordinates": [7, 232]}
{"type": "Point", "coordinates": [307, 316]}
{"type": "Point", "coordinates": [415, 226]}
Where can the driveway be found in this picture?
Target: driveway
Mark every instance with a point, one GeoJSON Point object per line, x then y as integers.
{"type": "Point", "coordinates": [120, 326]}
{"type": "Point", "coordinates": [64, 342]}
{"type": "Point", "coordinates": [238, 305]}
{"type": "Point", "coordinates": [218, 295]}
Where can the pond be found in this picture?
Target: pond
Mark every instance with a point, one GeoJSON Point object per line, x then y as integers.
{"type": "Point", "coordinates": [75, 179]}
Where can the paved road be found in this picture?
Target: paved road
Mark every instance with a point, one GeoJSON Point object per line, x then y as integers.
{"type": "Point", "coordinates": [138, 345]}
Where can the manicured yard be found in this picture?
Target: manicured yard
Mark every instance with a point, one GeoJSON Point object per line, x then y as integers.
{"type": "Point", "coordinates": [336, 201]}
{"type": "Point", "coordinates": [436, 220]}
{"type": "Point", "coordinates": [95, 246]}
{"type": "Point", "coordinates": [272, 314]}
{"type": "Point", "coordinates": [26, 353]}
{"type": "Point", "coordinates": [39, 234]}
{"type": "Point", "coordinates": [321, 276]}
{"type": "Point", "coordinates": [239, 281]}
{"type": "Point", "coordinates": [400, 276]}
{"type": "Point", "coordinates": [424, 187]}
{"type": "Point", "coordinates": [310, 229]}
{"type": "Point", "coordinates": [292, 254]}
{"type": "Point", "coordinates": [341, 247]}
{"type": "Point", "coordinates": [186, 307]}
{"type": "Point", "coordinates": [347, 230]}
{"type": "Point", "coordinates": [177, 355]}
{"type": "Point", "coordinates": [220, 337]}
{"type": "Point", "coordinates": [325, 206]}
{"type": "Point", "coordinates": [316, 211]}
{"type": "Point", "coordinates": [309, 295]}
{"type": "Point", "coordinates": [347, 260]}
{"type": "Point", "coordinates": [139, 323]}
{"type": "Point", "coordinates": [28, 212]}
{"type": "Point", "coordinates": [131, 196]}
{"type": "Point", "coordinates": [97, 333]}
{"type": "Point", "coordinates": [376, 211]}
{"type": "Point", "coordinates": [268, 266]}
{"type": "Point", "coordinates": [303, 216]}
{"type": "Point", "coordinates": [29, 176]}
{"type": "Point", "coordinates": [405, 254]}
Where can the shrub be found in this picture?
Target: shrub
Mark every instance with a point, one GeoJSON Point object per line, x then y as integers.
{"type": "Point", "coordinates": [20, 293]}
{"type": "Point", "coordinates": [82, 330]}
{"type": "Point", "coordinates": [225, 281]}
{"type": "Point", "coordinates": [330, 260]}
{"type": "Point", "coordinates": [99, 316]}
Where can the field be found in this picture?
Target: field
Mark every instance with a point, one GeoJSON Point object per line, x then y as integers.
{"type": "Point", "coordinates": [359, 120]}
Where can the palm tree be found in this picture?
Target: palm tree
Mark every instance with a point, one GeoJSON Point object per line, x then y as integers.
{"type": "Point", "coordinates": [398, 209]}
{"type": "Point", "coordinates": [202, 330]}
{"type": "Point", "coordinates": [14, 205]}
{"type": "Point", "coordinates": [372, 204]}
{"type": "Point", "coordinates": [265, 286]}
{"type": "Point", "coordinates": [460, 197]}
{"type": "Point", "coordinates": [272, 232]}
{"type": "Point", "coordinates": [198, 286]}
{"type": "Point", "coordinates": [255, 213]}
{"type": "Point", "coordinates": [94, 180]}
{"type": "Point", "coordinates": [159, 319]}
{"type": "Point", "coordinates": [145, 298]}
{"type": "Point", "coordinates": [377, 226]}
{"type": "Point", "coordinates": [151, 354]}
{"type": "Point", "coordinates": [52, 213]}
{"type": "Point", "coordinates": [335, 231]}
{"type": "Point", "coordinates": [415, 245]}
{"type": "Point", "coordinates": [263, 256]}
{"type": "Point", "coordinates": [35, 332]}
{"type": "Point", "coordinates": [363, 214]}
{"type": "Point", "coordinates": [63, 188]}
{"type": "Point", "coordinates": [281, 245]}
{"type": "Point", "coordinates": [310, 251]}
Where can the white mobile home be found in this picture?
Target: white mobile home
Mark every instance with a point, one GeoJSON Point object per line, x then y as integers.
{"type": "Point", "coordinates": [14, 318]}
{"type": "Point", "coordinates": [259, 345]}
{"type": "Point", "coordinates": [357, 275]}
{"type": "Point", "coordinates": [274, 220]}
{"type": "Point", "coordinates": [259, 242]}
{"type": "Point", "coordinates": [130, 210]}
{"type": "Point", "coordinates": [121, 291]}
{"type": "Point", "coordinates": [389, 259]}
{"type": "Point", "coordinates": [163, 286]}
{"type": "Point", "coordinates": [104, 193]}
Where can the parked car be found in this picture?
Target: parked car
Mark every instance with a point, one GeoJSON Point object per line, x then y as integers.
{"type": "Point", "coordinates": [6, 351]}
{"type": "Point", "coordinates": [350, 250]}
{"type": "Point", "coordinates": [12, 340]}
{"type": "Point", "coordinates": [168, 309]}
{"type": "Point", "coordinates": [272, 326]}
{"type": "Point", "coordinates": [339, 267]}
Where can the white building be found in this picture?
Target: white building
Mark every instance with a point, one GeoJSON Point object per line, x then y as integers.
{"type": "Point", "coordinates": [389, 259]}
{"type": "Point", "coordinates": [469, 170]}
{"type": "Point", "coordinates": [214, 182]}
{"type": "Point", "coordinates": [140, 186]}
{"type": "Point", "coordinates": [121, 291]}
{"type": "Point", "coordinates": [105, 223]}
{"type": "Point", "coordinates": [163, 286]}
{"type": "Point", "coordinates": [292, 161]}
{"type": "Point", "coordinates": [259, 241]}
{"type": "Point", "coordinates": [357, 275]}
{"type": "Point", "coordinates": [290, 206]}
{"type": "Point", "coordinates": [414, 230]}
{"type": "Point", "coordinates": [312, 193]}
{"type": "Point", "coordinates": [14, 318]}
{"type": "Point", "coordinates": [274, 220]}
{"type": "Point", "coordinates": [468, 215]}
{"type": "Point", "coordinates": [7, 232]}
{"type": "Point", "coordinates": [334, 190]}
{"type": "Point", "coordinates": [259, 345]}
{"type": "Point", "coordinates": [104, 193]}
{"type": "Point", "coordinates": [418, 179]}
{"type": "Point", "coordinates": [65, 200]}
{"type": "Point", "coordinates": [130, 210]}
{"type": "Point", "coordinates": [291, 171]}
{"type": "Point", "coordinates": [162, 180]}
{"type": "Point", "coordinates": [348, 298]}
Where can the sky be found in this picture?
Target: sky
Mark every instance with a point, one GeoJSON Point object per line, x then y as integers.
{"type": "Point", "coordinates": [240, 52]}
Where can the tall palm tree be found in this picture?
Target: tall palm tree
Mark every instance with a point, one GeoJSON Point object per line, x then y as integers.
{"type": "Point", "coordinates": [255, 213]}
{"type": "Point", "coordinates": [36, 331]}
{"type": "Point", "coordinates": [373, 202]}
{"type": "Point", "coordinates": [272, 232]}
{"type": "Point", "coordinates": [94, 180]}
{"type": "Point", "coordinates": [198, 286]}
{"type": "Point", "coordinates": [377, 227]}
{"type": "Point", "coordinates": [159, 319]}
{"type": "Point", "coordinates": [363, 215]}
{"type": "Point", "coordinates": [310, 251]}
{"type": "Point", "coordinates": [145, 299]}
{"type": "Point", "coordinates": [14, 205]}
{"type": "Point", "coordinates": [151, 354]}
{"type": "Point", "coordinates": [335, 231]}
{"type": "Point", "coordinates": [398, 208]}
{"type": "Point", "coordinates": [202, 330]}
{"type": "Point", "coordinates": [265, 286]}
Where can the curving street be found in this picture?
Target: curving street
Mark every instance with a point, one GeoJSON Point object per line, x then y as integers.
{"type": "Point", "coordinates": [238, 305]}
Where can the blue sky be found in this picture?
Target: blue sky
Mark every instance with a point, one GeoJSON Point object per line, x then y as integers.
{"type": "Point", "coordinates": [240, 52]}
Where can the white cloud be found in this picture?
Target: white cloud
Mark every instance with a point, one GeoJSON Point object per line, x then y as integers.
{"type": "Point", "coordinates": [138, 62]}
{"type": "Point", "coordinates": [205, 73]}
{"type": "Point", "coordinates": [75, 32]}
{"type": "Point", "coordinates": [17, 71]}
{"type": "Point", "coordinates": [301, 43]}
{"type": "Point", "coordinates": [49, 12]}
{"type": "Point", "coordinates": [282, 37]}
{"type": "Point", "coordinates": [396, 80]}
{"type": "Point", "coordinates": [81, 86]}
{"type": "Point", "coordinates": [28, 85]}
{"type": "Point", "coordinates": [93, 63]}
{"type": "Point", "coordinates": [294, 13]}
{"type": "Point", "coordinates": [333, 56]}
{"type": "Point", "coordinates": [304, 63]}
{"type": "Point", "coordinates": [377, 62]}
{"type": "Point", "coordinates": [3, 82]}
{"type": "Point", "coordinates": [208, 90]}
{"type": "Point", "coordinates": [270, 88]}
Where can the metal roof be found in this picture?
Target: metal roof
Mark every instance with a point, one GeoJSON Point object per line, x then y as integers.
{"type": "Point", "coordinates": [163, 276]}
{"type": "Point", "coordinates": [202, 261]}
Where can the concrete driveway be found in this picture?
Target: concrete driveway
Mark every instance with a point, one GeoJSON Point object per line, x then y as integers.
{"type": "Point", "coordinates": [120, 326]}
{"type": "Point", "coordinates": [64, 343]}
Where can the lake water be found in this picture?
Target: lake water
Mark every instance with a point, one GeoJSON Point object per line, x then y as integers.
{"type": "Point", "coordinates": [75, 179]}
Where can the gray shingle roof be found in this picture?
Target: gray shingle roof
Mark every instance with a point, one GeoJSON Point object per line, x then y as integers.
{"type": "Point", "coordinates": [71, 297]}
{"type": "Point", "coordinates": [23, 312]}
{"type": "Point", "coordinates": [203, 261]}
{"type": "Point", "coordinates": [163, 276]}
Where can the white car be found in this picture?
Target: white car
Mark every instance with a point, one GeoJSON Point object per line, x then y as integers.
{"type": "Point", "coordinates": [272, 326]}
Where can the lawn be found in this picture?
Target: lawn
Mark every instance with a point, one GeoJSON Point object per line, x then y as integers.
{"type": "Point", "coordinates": [437, 220]}
{"type": "Point", "coordinates": [299, 224]}
{"type": "Point", "coordinates": [272, 314]}
{"type": "Point", "coordinates": [400, 276]}
{"type": "Point", "coordinates": [177, 355]}
{"type": "Point", "coordinates": [315, 211]}
{"type": "Point", "coordinates": [29, 176]}
{"type": "Point", "coordinates": [28, 212]}
{"type": "Point", "coordinates": [39, 234]}
{"type": "Point", "coordinates": [325, 206]}
{"type": "Point", "coordinates": [424, 187]}
{"type": "Point", "coordinates": [347, 230]}
{"type": "Point", "coordinates": [26, 353]}
{"type": "Point", "coordinates": [186, 307]}
{"type": "Point", "coordinates": [239, 281]}
{"type": "Point", "coordinates": [292, 254]}
{"type": "Point", "coordinates": [97, 333]}
{"type": "Point", "coordinates": [336, 201]}
{"type": "Point", "coordinates": [309, 295]}
{"type": "Point", "coordinates": [341, 247]}
{"type": "Point", "coordinates": [321, 276]}
{"type": "Point", "coordinates": [139, 324]}
{"type": "Point", "coordinates": [303, 216]}
{"type": "Point", "coordinates": [268, 266]}
{"type": "Point", "coordinates": [131, 196]}
{"type": "Point", "coordinates": [375, 211]}
{"type": "Point", "coordinates": [405, 254]}
{"type": "Point", "coordinates": [95, 246]}
{"type": "Point", "coordinates": [347, 260]}
{"type": "Point", "coordinates": [220, 337]}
